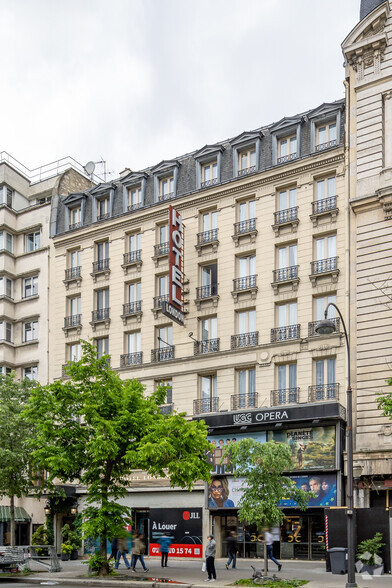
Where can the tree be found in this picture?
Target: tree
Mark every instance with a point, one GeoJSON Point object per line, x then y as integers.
{"type": "Point", "coordinates": [385, 401]}
{"type": "Point", "coordinates": [96, 428]}
{"type": "Point", "coordinates": [15, 433]}
{"type": "Point", "coordinates": [263, 466]}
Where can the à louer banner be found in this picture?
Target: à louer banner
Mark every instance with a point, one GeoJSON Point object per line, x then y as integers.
{"type": "Point", "coordinates": [183, 526]}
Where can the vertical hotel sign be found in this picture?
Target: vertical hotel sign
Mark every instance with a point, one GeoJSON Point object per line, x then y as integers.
{"type": "Point", "coordinates": [174, 308]}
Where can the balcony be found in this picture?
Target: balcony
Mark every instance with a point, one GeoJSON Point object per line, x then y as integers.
{"type": "Point", "coordinates": [323, 268]}
{"type": "Point", "coordinates": [161, 249]}
{"type": "Point", "coordinates": [203, 405]}
{"type": "Point", "coordinates": [285, 333]}
{"type": "Point", "coordinates": [287, 158]}
{"type": "Point", "coordinates": [73, 322]}
{"type": "Point", "coordinates": [73, 226]}
{"type": "Point", "coordinates": [130, 359]}
{"type": "Point", "coordinates": [162, 353]}
{"type": "Point", "coordinates": [166, 409]}
{"type": "Point", "coordinates": [101, 315]}
{"type": "Point", "coordinates": [285, 396]}
{"type": "Point", "coordinates": [244, 340]}
{"type": "Point", "coordinates": [206, 346]}
{"type": "Point", "coordinates": [164, 197]}
{"type": "Point", "coordinates": [285, 276]}
{"type": "Point", "coordinates": [244, 284]}
{"type": "Point", "coordinates": [73, 274]}
{"type": "Point", "coordinates": [104, 216]}
{"type": "Point", "coordinates": [246, 170]}
{"type": "Point", "coordinates": [327, 145]}
{"type": "Point", "coordinates": [208, 292]}
{"type": "Point", "coordinates": [321, 208]}
{"type": "Point", "coordinates": [245, 228]}
{"type": "Point", "coordinates": [135, 206]}
{"type": "Point", "coordinates": [241, 401]}
{"type": "Point", "coordinates": [312, 327]}
{"type": "Point", "coordinates": [209, 183]}
{"type": "Point", "coordinates": [132, 259]}
{"type": "Point", "coordinates": [323, 392]}
{"type": "Point", "coordinates": [286, 218]}
{"type": "Point", "coordinates": [132, 309]}
{"type": "Point", "coordinates": [207, 239]}
{"type": "Point", "coordinates": [101, 267]}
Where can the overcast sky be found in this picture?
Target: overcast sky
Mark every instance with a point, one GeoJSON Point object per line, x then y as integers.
{"type": "Point", "coordinates": [138, 81]}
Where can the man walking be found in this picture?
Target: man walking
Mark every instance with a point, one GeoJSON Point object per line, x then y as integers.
{"type": "Point", "coordinates": [210, 558]}
{"type": "Point", "coordinates": [231, 550]}
{"type": "Point", "coordinates": [122, 551]}
{"type": "Point", "coordinates": [164, 542]}
{"type": "Point", "coordinates": [269, 540]}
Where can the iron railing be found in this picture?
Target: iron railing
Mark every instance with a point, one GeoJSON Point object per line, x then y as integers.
{"type": "Point", "coordinates": [159, 300]}
{"type": "Point", "coordinates": [207, 237]}
{"type": "Point", "coordinates": [132, 308]}
{"type": "Point", "coordinates": [284, 274]}
{"type": "Point", "coordinates": [322, 146]}
{"type": "Point", "coordinates": [101, 265]}
{"type": "Point", "coordinates": [285, 396]}
{"type": "Point", "coordinates": [164, 197]}
{"type": "Point", "coordinates": [129, 359]}
{"type": "Point", "coordinates": [203, 405]}
{"type": "Point", "coordinates": [244, 283]}
{"type": "Point", "coordinates": [286, 158]}
{"type": "Point", "coordinates": [286, 216]}
{"type": "Point", "coordinates": [102, 217]}
{"type": "Point", "coordinates": [162, 353]}
{"type": "Point", "coordinates": [206, 291]}
{"type": "Point", "coordinates": [101, 314]}
{"type": "Point", "coordinates": [245, 226]}
{"type": "Point", "coordinates": [132, 257]}
{"type": "Point", "coordinates": [246, 170]}
{"type": "Point", "coordinates": [323, 266]}
{"type": "Point", "coordinates": [324, 205]}
{"type": "Point", "coordinates": [313, 325]}
{"type": "Point", "coordinates": [208, 183]}
{"type": "Point", "coordinates": [161, 249]}
{"type": "Point", "coordinates": [73, 226]}
{"type": "Point", "coordinates": [166, 409]}
{"type": "Point", "coordinates": [73, 273]}
{"type": "Point", "coordinates": [239, 401]}
{"type": "Point", "coordinates": [321, 392]}
{"type": "Point", "coordinates": [285, 333]}
{"type": "Point", "coordinates": [245, 340]}
{"type": "Point", "coordinates": [206, 346]}
{"type": "Point", "coordinates": [135, 206]}
{"type": "Point", "coordinates": [74, 320]}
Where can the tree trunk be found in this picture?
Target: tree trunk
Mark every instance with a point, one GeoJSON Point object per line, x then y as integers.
{"type": "Point", "coordinates": [265, 560]}
{"type": "Point", "coordinates": [12, 520]}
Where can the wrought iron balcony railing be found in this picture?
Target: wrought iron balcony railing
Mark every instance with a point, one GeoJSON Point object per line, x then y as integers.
{"type": "Point", "coordinates": [324, 205]}
{"type": "Point", "coordinates": [239, 401]}
{"type": "Point", "coordinates": [207, 237]}
{"type": "Point", "coordinates": [162, 353]}
{"type": "Point", "coordinates": [286, 216]}
{"type": "Point", "coordinates": [104, 216]}
{"type": "Point", "coordinates": [206, 291]}
{"type": "Point", "coordinates": [73, 273]}
{"type": "Point", "coordinates": [101, 314]}
{"type": "Point", "coordinates": [324, 266]}
{"type": "Point", "coordinates": [245, 226]}
{"type": "Point", "coordinates": [73, 226]}
{"type": "Point", "coordinates": [74, 320]}
{"type": "Point", "coordinates": [129, 359]}
{"type": "Point", "coordinates": [285, 333]}
{"type": "Point", "coordinates": [285, 274]}
{"type": "Point", "coordinates": [164, 197]}
{"type": "Point", "coordinates": [287, 158]}
{"type": "Point", "coordinates": [321, 392]}
{"type": "Point", "coordinates": [209, 183]}
{"type": "Point", "coordinates": [285, 396]}
{"type": "Point", "coordinates": [135, 206]}
{"type": "Point", "coordinates": [203, 405]}
{"type": "Point", "coordinates": [244, 283]}
{"type": "Point", "coordinates": [245, 340]}
{"type": "Point", "coordinates": [312, 327]}
{"type": "Point", "coordinates": [158, 301]}
{"type": "Point", "coordinates": [207, 346]}
{"type": "Point", "coordinates": [246, 170]}
{"type": "Point", "coordinates": [101, 265]}
{"type": "Point", "coordinates": [132, 308]}
{"type": "Point", "coordinates": [132, 257]}
{"type": "Point", "coordinates": [322, 146]}
{"type": "Point", "coordinates": [161, 249]}
{"type": "Point", "coordinates": [166, 408]}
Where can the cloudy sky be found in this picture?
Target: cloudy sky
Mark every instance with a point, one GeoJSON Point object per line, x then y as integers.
{"type": "Point", "coordinates": [138, 81]}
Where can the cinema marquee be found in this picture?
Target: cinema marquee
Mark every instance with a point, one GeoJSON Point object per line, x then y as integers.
{"type": "Point", "coordinates": [174, 309]}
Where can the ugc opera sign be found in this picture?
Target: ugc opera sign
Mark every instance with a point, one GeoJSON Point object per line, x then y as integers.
{"type": "Point", "coordinates": [174, 308]}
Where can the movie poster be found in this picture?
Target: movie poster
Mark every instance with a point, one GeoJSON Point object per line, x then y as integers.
{"type": "Point", "coordinates": [219, 460]}
{"type": "Point", "coordinates": [183, 526]}
{"type": "Point", "coordinates": [225, 492]}
{"type": "Point", "coordinates": [322, 485]}
{"type": "Point", "coordinates": [312, 448]}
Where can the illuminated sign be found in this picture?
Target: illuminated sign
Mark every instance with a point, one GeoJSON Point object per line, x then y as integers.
{"type": "Point", "coordinates": [174, 308]}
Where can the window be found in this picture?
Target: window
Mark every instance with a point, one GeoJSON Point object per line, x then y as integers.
{"type": "Point", "coordinates": [320, 304]}
{"type": "Point", "coordinates": [6, 241]}
{"type": "Point", "coordinates": [325, 195]}
{"type": "Point", "coordinates": [165, 336]}
{"type": "Point", "coordinates": [287, 149]}
{"type": "Point", "coordinates": [134, 242]}
{"type": "Point", "coordinates": [287, 263]}
{"type": "Point", "coordinates": [163, 285]}
{"type": "Point", "coordinates": [102, 250]}
{"type": "Point", "coordinates": [5, 370]}
{"type": "Point", "coordinates": [103, 208]}
{"type": "Point", "coordinates": [247, 210]}
{"type": "Point", "coordinates": [135, 292]}
{"type": "Point", "coordinates": [246, 322]}
{"type": "Point", "coordinates": [246, 386]}
{"type": "Point", "coordinates": [6, 287]}
{"type": "Point", "coordinates": [326, 136]}
{"type": "Point", "coordinates": [169, 391]}
{"type": "Point", "coordinates": [74, 259]}
{"type": "Point", "coordinates": [75, 217]}
{"type": "Point", "coordinates": [287, 199]}
{"type": "Point", "coordinates": [102, 345]}
{"type": "Point", "coordinates": [8, 196]}
{"type": "Point", "coordinates": [247, 266]}
{"type": "Point", "coordinates": [326, 387]}
{"type": "Point", "coordinates": [208, 387]}
{"type": "Point", "coordinates": [102, 299]}
{"type": "Point", "coordinates": [75, 305]}
{"type": "Point", "coordinates": [6, 331]}
{"type": "Point", "coordinates": [209, 281]}
{"type": "Point", "coordinates": [30, 286]}
{"type": "Point", "coordinates": [30, 331]}
{"type": "Point", "coordinates": [166, 188]}
{"type": "Point", "coordinates": [246, 161]}
{"type": "Point", "coordinates": [32, 242]}
{"type": "Point", "coordinates": [208, 335]}
{"type": "Point", "coordinates": [74, 352]}
{"type": "Point", "coordinates": [162, 237]}
{"type": "Point", "coordinates": [163, 234]}
{"type": "Point", "coordinates": [134, 342]}
{"type": "Point", "coordinates": [31, 372]}
{"type": "Point", "coordinates": [326, 259]}
{"type": "Point", "coordinates": [287, 383]}
{"type": "Point", "coordinates": [165, 348]}
{"type": "Point", "coordinates": [287, 323]}
{"type": "Point", "coordinates": [135, 198]}
{"type": "Point", "coordinates": [209, 221]}
{"type": "Point", "coordinates": [209, 174]}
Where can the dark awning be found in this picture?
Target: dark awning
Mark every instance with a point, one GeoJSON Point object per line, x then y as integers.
{"type": "Point", "coordinates": [21, 516]}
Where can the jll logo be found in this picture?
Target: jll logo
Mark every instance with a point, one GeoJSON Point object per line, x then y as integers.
{"type": "Point", "coordinates": [186, 515]}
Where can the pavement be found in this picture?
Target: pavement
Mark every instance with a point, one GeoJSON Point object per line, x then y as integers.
{"type": "Point", "coordinates": [189, 573]}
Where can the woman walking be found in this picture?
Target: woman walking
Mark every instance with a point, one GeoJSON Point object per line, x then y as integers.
{"type": "Point", "coordinates": [138, 550]}
{"type": "Point", "coordinates": [210, 558]}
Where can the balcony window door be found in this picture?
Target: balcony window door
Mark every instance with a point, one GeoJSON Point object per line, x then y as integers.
{"type": "Point", "coordinates": [134, 342]}
{"type": "Point", "coordinates": [246, 322]}
{"type": "Point", "coordinates": [208, 390]}
{"type": "Point", "coordinates": [103, 208]}
{"type": "Point", "coordinates": [209, 173]}
{"type": "Point", "coordinates": [209, 328]}
{"type": "Point", "coordinates": [246, 386]}
{"type": "Point", "coordinates": [75, 306]}
{"type": "Point", "coordinates": [287, 149]}
{"type": "Point", "coordinates": [74, 352]}
{"type": "Point", "coordinates": [209, 221]}
{"type": "Point", "coordinates": [326, 135]}
{"type": "Point", "coordinates": [102, 346]}
{"type": "Point", "coordinates": [247, 210]}
{"type": "Point", "coordinates": [247, 160]}
{"type": "Point", "coordinates": [287, 199]}
{"type": "Point", "coordinates": [166, 186]}
{"type": "Point", "coordinates": [287, 314]}
{"type": "Point", "coordinates": [134, 198]}
{"type": "Point", "coordinates": [75, 216]}
{"type": "Point", "coordinates": [163, 285]}
{"type": "Point", "coordinates": [165, 336]}
{"type": "Point", "coordinates": [321, 303]}
{"type": "Point", "coordinates": [326, 248]}
{"type": "Point", "coordinates": [325, 378]}
{"type": "Point", "coordinates": [134, 242]}
{"type": "Point", "coordinates": [209, 279]}
{"type": "Point", "coordinates": [135, 292]}
{"type": "Point", "coordinates": [325, 188]}
{"type": "Point", "coordinates": [287, 383]}
{"type": "Point", "coordinates": [102, 251]}
{"type": "Point", "coordinates": [74, 259]}
{"type": "Point", "coordinates": [102, 297]}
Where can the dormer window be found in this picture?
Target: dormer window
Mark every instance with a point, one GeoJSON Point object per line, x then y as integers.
{"type": "Point", "coordinates": [247, 161]}
{"type": "Point", "coordinates": [135, 200]}
{"type": "Point", "coordinates": [165, 180]}
{"type": "Point", "coordinates": [287, 149]}
{"type": "Point", "coordinates": [74, 211]}
{"type": "Point", "coordinates": [326, 136]}
{"type": "Point", "coordinates": [246, 153]}
{"type": "Point", "coordinates": [166, 188]}
{"type": "Point", "coordinates": [209, 174]}
{"type": "Point", "coordinates": [102, 205]}
{"type": "Point", "coordinates": [103, 209]}
{"type": "Point", "coordinates": [75, 217]}
{"type": "Point", "coordinates": [134, 190]}
{"type": "Point", "coordinates": [208, 165]}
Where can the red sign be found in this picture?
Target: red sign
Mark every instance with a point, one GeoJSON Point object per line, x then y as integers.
{"type": "Point", "coordinates": [174, 308]}
{"type": "Point", "coordinates": [178, 550]}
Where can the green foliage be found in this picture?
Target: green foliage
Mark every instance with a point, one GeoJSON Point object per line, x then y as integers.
{"type": "Point", "coordinates": [263, 465]}
{"type": "Point", "coordinates": [384, 401]}
{"type": "Point", "coordinates": [40, 536]}
{"type": "Point", "coordinates": [97, 562]}
{"type": "Point", "coordinates": [294, 583]}
{"type": "Point", "coordinates": [66, 548]}
{"type": "Point", "coordinates": [73, 538]}
{"type": "Point", "coordinates": [372, 547]}
{"type": "Point", "coordinates": [95, 428]}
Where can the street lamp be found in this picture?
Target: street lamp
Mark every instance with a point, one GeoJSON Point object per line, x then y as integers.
{"type": "Point", "coordinates": [327, 327]}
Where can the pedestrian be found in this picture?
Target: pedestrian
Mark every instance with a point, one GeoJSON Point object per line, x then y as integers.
{"type": "Point", "coordinates": [232, 550]}
{"type": "Point", "coordinates": [114, 548]}
{"type": "Point", "coordinates": [210, 558]}
{"type": "Point", "coordinates": [138, 550]}
{"type": "Point", "coordinates": [122, 551]}
{"type": "Point", "coordinates": [269, 541]}
{"type": "Point", "coordinates": [164, 543]}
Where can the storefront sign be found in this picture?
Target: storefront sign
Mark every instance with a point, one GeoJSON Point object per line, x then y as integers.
{"type": "Point", "coordinates": [225, 492]}
{"type": "Point", "coordinates": [183, 526]}
{"type": "Point", "coordinates": [219, 458]}
{"type": "Point", "coordinates": [312, 448]}
{"type": "Point", "coordinates": [175, 309]}
{"type": "Point", "coordinates": [323, 486]}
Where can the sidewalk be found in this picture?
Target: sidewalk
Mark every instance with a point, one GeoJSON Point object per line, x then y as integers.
{"type": "Point", "coordinates": [189, 573]}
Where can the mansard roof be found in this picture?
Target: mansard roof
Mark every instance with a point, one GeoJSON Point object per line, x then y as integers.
{"type": "Point", "coordinates": [166, 164]}
{"type": "Point", "coordinates": [103, 188]}
{"type": "Point", "coordinates": [287, 122]}
{"type": "Point", "coordinates": [74, 198]}
{"type": "Point", "coordinates": [367, 6]}
{"type": "Point", "coordinates": [133, 177]}
{"type": "Point", "coordinates": [326, 109]}
{"type": "Point", "coordinates": [247, 137]}
{"type": "Point", "coordinates": [209, 150]}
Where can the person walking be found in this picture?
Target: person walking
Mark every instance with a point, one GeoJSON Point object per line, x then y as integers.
{"type": "Point", "coordinates": [269, 541]}
{"type": "Point", "coordinates": [122, 551]}
{"type": "Point", "coordinates": [210, 558]}
{"type": "Point", "coordinates": [164, 543]}
{"type": "Point", "coordinates": [138, 550]}
{"type": "Point", "coordinates": [232, 550]}
{"type": "Point", "coordinates": [114, 548]}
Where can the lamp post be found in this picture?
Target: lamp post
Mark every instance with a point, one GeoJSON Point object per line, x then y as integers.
{"type": "Point", "coordinates": [327, 327]}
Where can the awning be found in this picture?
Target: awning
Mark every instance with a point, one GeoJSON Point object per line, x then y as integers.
{"type": "Point", "coordinates": [21, 516]}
